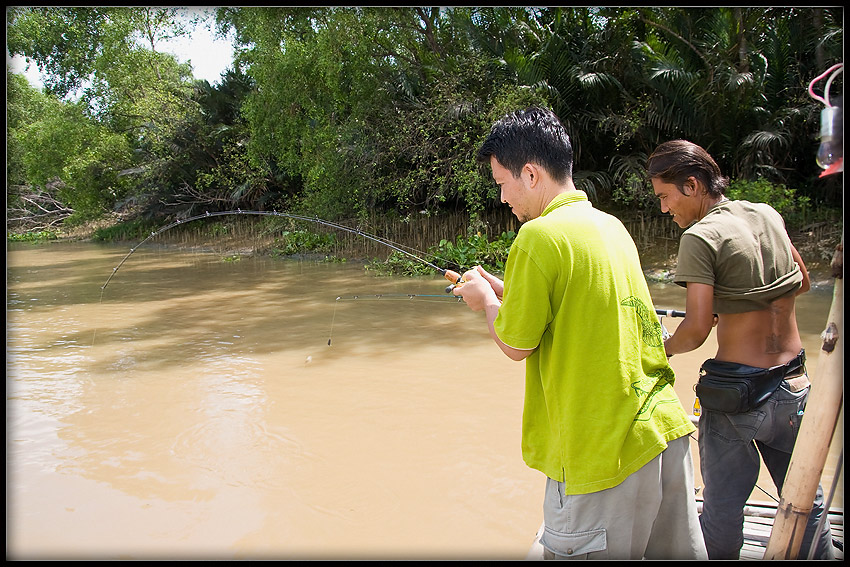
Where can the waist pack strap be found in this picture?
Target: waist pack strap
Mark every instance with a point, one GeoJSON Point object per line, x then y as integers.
{"type": "Point", "coordinates": [723, 368]}
{"type": "Point", "coordinates": [737, 388]}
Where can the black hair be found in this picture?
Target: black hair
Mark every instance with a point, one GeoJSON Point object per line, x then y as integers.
{"type": "Point", "coordinates": [534, 135]}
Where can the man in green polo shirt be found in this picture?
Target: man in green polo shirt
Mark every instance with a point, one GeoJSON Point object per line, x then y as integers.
{"type": "Point", "coordinates": [601, 419]}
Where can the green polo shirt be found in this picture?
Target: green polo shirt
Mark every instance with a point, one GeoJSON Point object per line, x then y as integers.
{"type": "Point", "coordinates": [599, 399]}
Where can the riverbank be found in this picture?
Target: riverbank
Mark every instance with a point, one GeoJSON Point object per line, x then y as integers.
{"type": "Point", "coordinates": [815, 243]}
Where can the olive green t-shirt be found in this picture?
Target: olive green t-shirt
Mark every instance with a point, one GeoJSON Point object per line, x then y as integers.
{"type": "Point", "coordinates": [599, 400]}
{"type": "Point", "coordinates": [743, 250]}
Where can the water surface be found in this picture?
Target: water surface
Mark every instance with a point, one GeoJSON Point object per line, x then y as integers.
{"type": "Point", "coordinates": [194, 409]}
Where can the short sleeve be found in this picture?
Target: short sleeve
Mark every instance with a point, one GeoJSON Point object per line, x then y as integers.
{"type": "Point", "coordinates": [696, 261]}
{"type": "Point", "coordinates": [526, 309]}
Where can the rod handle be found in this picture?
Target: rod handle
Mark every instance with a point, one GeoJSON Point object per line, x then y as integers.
{"type": "Point", "coordinates": [455, 278]}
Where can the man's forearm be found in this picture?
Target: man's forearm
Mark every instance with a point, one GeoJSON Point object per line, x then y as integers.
{"type": "Point", "coordinates": [491, 310]}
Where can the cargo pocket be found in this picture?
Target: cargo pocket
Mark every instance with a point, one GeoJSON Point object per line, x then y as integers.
{"type": "Point", "coordinates": [574, 545]}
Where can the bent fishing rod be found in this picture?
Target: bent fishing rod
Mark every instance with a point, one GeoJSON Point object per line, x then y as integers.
{"type": "Point", "coordinates": [450, 275]}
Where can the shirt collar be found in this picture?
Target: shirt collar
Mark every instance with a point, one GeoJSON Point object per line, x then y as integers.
{"type": "Point", "coordinates": [568, 198]}
{"type": "Point", "coordinates": [717, 205]}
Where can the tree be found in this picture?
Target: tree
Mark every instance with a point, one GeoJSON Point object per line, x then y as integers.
{"type": "Point", "coordinates": [345, 111]}
{"type": "Point", "coordinates": [735, 81]}
{"type": "Point", "coordinates": [103, 62]}
{"type": "Point", "coordinates": [60, 157]}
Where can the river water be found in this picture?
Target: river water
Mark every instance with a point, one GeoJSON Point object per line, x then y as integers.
{"type": "Point", "coordinates": [269, 409]}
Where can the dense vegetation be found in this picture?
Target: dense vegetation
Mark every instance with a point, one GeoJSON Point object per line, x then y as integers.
{"type": "Point", "coordinates": [349, 113]}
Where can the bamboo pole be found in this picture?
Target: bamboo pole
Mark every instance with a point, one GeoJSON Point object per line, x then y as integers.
{"type": "Point", "coordinates": [816, 431]}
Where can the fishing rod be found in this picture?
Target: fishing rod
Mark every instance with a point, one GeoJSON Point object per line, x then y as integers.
{"type": "Point", "coordinates": [410, 296]}
{"type": "Point", "coordinates": [661, 312]}
{"type": "Point", "coordinates": [450, 275]}
{"type": "Point", "coordinates": [665, 334]}
{"type": "Point", "coordinates": [669, 313]}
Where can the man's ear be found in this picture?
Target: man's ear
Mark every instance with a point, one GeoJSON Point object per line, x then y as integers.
{"type": "Point", "coordinates": [532, 173]}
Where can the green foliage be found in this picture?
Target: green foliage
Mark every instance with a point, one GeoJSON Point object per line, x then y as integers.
{"type": "Point", "coordinates": [22, 103]}
{"type": "Point", "coordinates": [34, 237]}
{"type": "Point", "coordinates": [462, 254]}
{"type": "Point", "coordinates": [398, 264]}
{"type": "Point", "coordinates": [63, 42]}
{"type": "Point", "coordinates": [132, 230]}
{"type": "Point", "coordinates": [56, 145]}
{"type": "Point", "coordinates": [341, 112]}
{"type": "Point", "coordinates": [634, 193]}
{"type": "Point", "coordinates": [303, 242]}
{"type": "Point", "coordinates": [476, 250]}
{"type": "Point", "coordinates": [122, 100]}
{"type": "Point", "coordinates": [795, 209]}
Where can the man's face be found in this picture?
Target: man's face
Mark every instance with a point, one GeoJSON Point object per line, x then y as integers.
{"type": "Point", "coordinates": [683, 208]}
{"type": "Point", "coordinates": [514, 191]}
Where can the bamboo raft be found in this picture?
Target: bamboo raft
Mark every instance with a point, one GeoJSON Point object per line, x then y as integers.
{"type": "Point", "coordinates": [758, 523]}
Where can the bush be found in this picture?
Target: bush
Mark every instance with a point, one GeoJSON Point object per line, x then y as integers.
{"type": "Point", "coordinates": [476, 250]}
{"type": "Point", "coordinates": [136, 229]}
{"type": "Point", "coordinates": [795, 210]}
{"type": "Point", "coordinates": [34, 237]}
{"type": "Point", "coordinates": [302, 242]}
{"type": "Point", "coordinates": [462, 254]}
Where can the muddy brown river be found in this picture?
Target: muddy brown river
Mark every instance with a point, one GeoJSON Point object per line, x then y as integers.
{"type": "Point", "coordinates": [194, 409]}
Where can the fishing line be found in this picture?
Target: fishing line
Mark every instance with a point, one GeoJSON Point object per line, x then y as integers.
{"type": "Point", "coordinates": [455, 299]}
{"type": "Point", "coordinates": [396, 296]}
{"type": "Point", "coordinates": [389, 297]}
{"type": "Point", "coordinates": [453, 277]}
{"type": "Point", "coordinates": [333, 318]}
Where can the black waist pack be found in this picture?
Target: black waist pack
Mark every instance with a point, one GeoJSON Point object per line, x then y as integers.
{"type": "Point", "coordinates": [730, 387]}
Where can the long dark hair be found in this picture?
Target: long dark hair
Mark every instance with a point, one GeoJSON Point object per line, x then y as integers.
{"type": "Point", "coordinates": [677, 160]}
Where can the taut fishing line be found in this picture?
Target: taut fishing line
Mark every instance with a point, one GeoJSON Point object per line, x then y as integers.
{"type": "Point", "coordinates": [395, 296]}
{"type": "Point", "coordinates": [390, 297]}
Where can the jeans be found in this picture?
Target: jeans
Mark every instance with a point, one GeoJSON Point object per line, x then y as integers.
{"type": "Point", "coordinates": [729, 448]}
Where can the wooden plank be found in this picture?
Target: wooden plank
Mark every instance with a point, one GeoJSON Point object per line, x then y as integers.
{"type": "Point", "coordinates": [758, 525]}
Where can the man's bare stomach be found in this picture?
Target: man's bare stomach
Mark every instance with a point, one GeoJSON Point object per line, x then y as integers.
{"type": "Point", "coordinates": [760, 338]}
